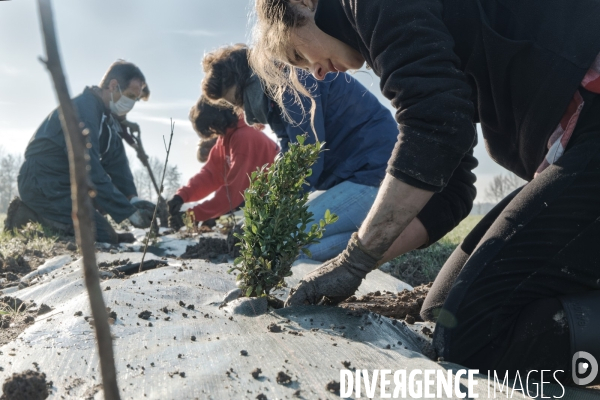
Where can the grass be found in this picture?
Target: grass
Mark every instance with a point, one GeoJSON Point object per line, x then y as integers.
{"type": "Point", "coordinates": [32, 238]}
{"type": "Point", "coordinates": [422, 266]}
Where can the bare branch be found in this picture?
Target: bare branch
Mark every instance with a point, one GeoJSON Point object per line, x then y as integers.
{"type": "Point", "coordinates": [81, 189]}
{"type": "Point", "coordinates": [162, 181]}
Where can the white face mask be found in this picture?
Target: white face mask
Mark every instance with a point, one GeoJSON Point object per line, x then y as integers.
{"type": "Point", "coordinates": [122, 106]}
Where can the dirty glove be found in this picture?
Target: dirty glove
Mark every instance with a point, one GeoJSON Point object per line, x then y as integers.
{"type": "Point", "coordinates": [338, 278]}
{"type": "Point", "coordinates": [141, 219]}
{"type": "Point", "coordinates": [142, 204]}
{"type": "Point", "coordinates": [175, 205]}
{"type": "Point", "coordinates": [176, 221]}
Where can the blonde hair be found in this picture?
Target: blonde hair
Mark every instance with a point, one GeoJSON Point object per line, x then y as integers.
{"type": "Point", "coordinates": [275, 21]}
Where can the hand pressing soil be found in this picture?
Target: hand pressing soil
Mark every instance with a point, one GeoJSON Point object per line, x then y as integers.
{"type": "Point", "coordinates": [28, 385]}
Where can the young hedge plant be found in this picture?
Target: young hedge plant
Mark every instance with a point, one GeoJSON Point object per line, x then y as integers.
{"type": "Point", "coordinates": [276, 220]}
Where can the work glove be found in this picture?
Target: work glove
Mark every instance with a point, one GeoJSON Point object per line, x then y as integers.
{"type": "Point", "coordinates": [337, 279]}
{"type": "Point", "coordinates": [141, 219]}
{"type": "Point", "coordinates": [176, 221]}
{"type": "Point", "coordinates": [142, 204]}
{"type": "Point", "coordinates": [175, 205]}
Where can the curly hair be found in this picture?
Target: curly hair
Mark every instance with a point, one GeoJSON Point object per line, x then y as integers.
{"type": "Point", "coordinates": [209, 119]}
{"type": "Point", "coordinates": [226, 67]}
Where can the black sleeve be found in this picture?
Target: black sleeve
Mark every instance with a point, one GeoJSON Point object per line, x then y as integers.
{"type": "Point", "coordinates": [445, 210]}
{"type": "Point", "coordinates": [411, 50]}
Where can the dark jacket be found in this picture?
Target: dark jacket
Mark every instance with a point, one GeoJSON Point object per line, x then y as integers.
{"type": "Point", "coordinates": [358, 131]}
{"type": "Point", "coordinates": [512, 65]}
{"type": "Point", "coordinates": [44, 181]}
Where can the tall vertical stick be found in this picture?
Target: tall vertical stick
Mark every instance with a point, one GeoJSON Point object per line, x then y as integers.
{"type": "Point", "coordinates": [81, 190]}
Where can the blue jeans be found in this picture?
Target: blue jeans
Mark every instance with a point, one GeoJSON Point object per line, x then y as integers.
{"type": "Point", "coordinates": [351, 202]}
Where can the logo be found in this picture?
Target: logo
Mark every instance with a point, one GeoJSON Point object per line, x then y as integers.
{"type": "Point", "coordinates": [584, 367]}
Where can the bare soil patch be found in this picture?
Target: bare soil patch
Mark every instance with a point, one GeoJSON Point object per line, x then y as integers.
{"type": "Point", "coordinates": [405, 305]}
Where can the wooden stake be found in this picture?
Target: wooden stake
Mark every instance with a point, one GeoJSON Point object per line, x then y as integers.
{"type": "Point", "coordinates": [81, 194]}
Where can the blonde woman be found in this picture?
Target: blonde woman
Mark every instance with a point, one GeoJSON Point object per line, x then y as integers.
{"type": "Point", "coordinates": [528, 71]}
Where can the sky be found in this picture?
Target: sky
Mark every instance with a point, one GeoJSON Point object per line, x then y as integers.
{"type": "Point", "coordinates": [167, 40]}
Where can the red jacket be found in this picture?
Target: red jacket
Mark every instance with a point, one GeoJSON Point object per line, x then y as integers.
{"type": "Point", "coordinates": [233, 158]}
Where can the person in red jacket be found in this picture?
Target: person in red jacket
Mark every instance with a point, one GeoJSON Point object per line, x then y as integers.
{"type": "Point", "coordinates": [239, 150]}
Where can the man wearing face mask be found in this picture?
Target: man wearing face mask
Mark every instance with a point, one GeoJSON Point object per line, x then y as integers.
{"type": "Point", "coordinates": [44, 181]}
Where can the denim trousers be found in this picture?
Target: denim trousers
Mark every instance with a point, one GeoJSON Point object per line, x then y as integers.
{"type": "Point", "coordinates": [351, 202]}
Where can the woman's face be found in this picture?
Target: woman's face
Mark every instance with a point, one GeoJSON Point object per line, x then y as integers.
{"type": "Point", "coordinates": [314, 50]}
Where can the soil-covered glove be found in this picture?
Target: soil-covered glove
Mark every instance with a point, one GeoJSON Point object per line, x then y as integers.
{"type": "Point", "coordinates": [141, 219]}
{"type": "Point", "coordinates": [175, 205]}
{"type": "Point", "coordinates": [338, 278]}
{"type": "Point", "coordinates": [176, 221]}
{"type": "Point", "coordinates": [142, 204]}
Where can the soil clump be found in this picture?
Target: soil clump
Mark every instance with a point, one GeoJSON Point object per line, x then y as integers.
{"type": "Point", "coordinates": [28, 385]}
{"type": "Point", "coordinates": [405, 305]}
{"type": "Point", "coordinates": [208, 248]}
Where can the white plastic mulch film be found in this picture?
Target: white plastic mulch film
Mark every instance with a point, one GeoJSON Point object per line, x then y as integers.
{"type": "Point", "coordinates": [190, 348]}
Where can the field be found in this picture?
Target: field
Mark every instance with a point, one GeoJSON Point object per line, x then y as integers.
{"type": "Point", "coordinates": [422, 266]}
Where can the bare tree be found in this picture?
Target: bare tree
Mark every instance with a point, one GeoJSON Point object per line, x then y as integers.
{"type": "Point", "coordinates": [9, 170]}
{"type": "Point", "coordinates": [144, 185]}
{"type": "Point", "coordinates": [501, 186]}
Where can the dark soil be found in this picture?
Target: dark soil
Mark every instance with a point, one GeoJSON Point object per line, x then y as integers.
{"type": "Point", "coordinates": [274, 328]}
{"type": "Point", "coordinates": [28, 385]}
{"type": "Point", "coordinates": [145, 315]}
{"type": "Point", "coordinates": [215, 249]}
{"type": "Point", "coordinates": [208, 248]}
{"type": "Point", "coordinates": [404, 305]}
{"type": "Point", "coordinates": [256, 373]}
{"type": "Point", "coordinates": [283, 378]}
{"type": "Point", "coordinates": [333, 387]}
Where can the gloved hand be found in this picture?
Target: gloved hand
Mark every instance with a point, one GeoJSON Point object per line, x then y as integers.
{"type": "Point", "coordinates": [176, 221]}
{"type": "Point", "coordinates": [338, 278]}
{"type": "Point", "coordinates": [141, 219]}
{"type": "Point", "coordinates": [142, 204]}
{"type": "Point", "coordinates": [175, 205]}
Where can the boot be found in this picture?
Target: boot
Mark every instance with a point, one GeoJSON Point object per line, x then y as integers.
{"type": "Point", "coordinates": [18, 215]}
{"type": "Point", "coordinates": [583, 315]}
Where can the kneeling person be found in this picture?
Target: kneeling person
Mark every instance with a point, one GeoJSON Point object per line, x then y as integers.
{"type": "Point", "coordinates": [239, 150]}
{"type": "Point", "coordinates": [44, 180]}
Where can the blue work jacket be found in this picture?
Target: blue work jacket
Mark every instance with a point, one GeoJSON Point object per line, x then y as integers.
{"type": "Point", "coordinates": [44, 180]}
{"type": "Point", "coordinates": [358, 131]}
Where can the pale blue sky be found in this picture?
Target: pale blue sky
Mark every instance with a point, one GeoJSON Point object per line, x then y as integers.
{"type": "Point", "coordinates": [165, 39]}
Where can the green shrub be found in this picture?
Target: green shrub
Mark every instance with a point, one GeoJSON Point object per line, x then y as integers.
{"type": "Point", "coordinates": [275, 220]}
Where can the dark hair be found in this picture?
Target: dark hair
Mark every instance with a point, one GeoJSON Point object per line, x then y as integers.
{"type": "Point", "coordinates": [204, 148]}
{"type": "Point", "coordinates": [124, 72]}
{"type": "Point", "coordinates": [209, 119]}
{"type": "Point", "coordinates": [226, 67]}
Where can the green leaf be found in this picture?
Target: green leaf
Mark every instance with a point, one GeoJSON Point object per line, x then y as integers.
{"type": "Point", "coordinates": [327, 215]}
{"type": "Point", "coordinates": [307, 252]}
{"type": "Point", "coordinates": [249, 291]}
